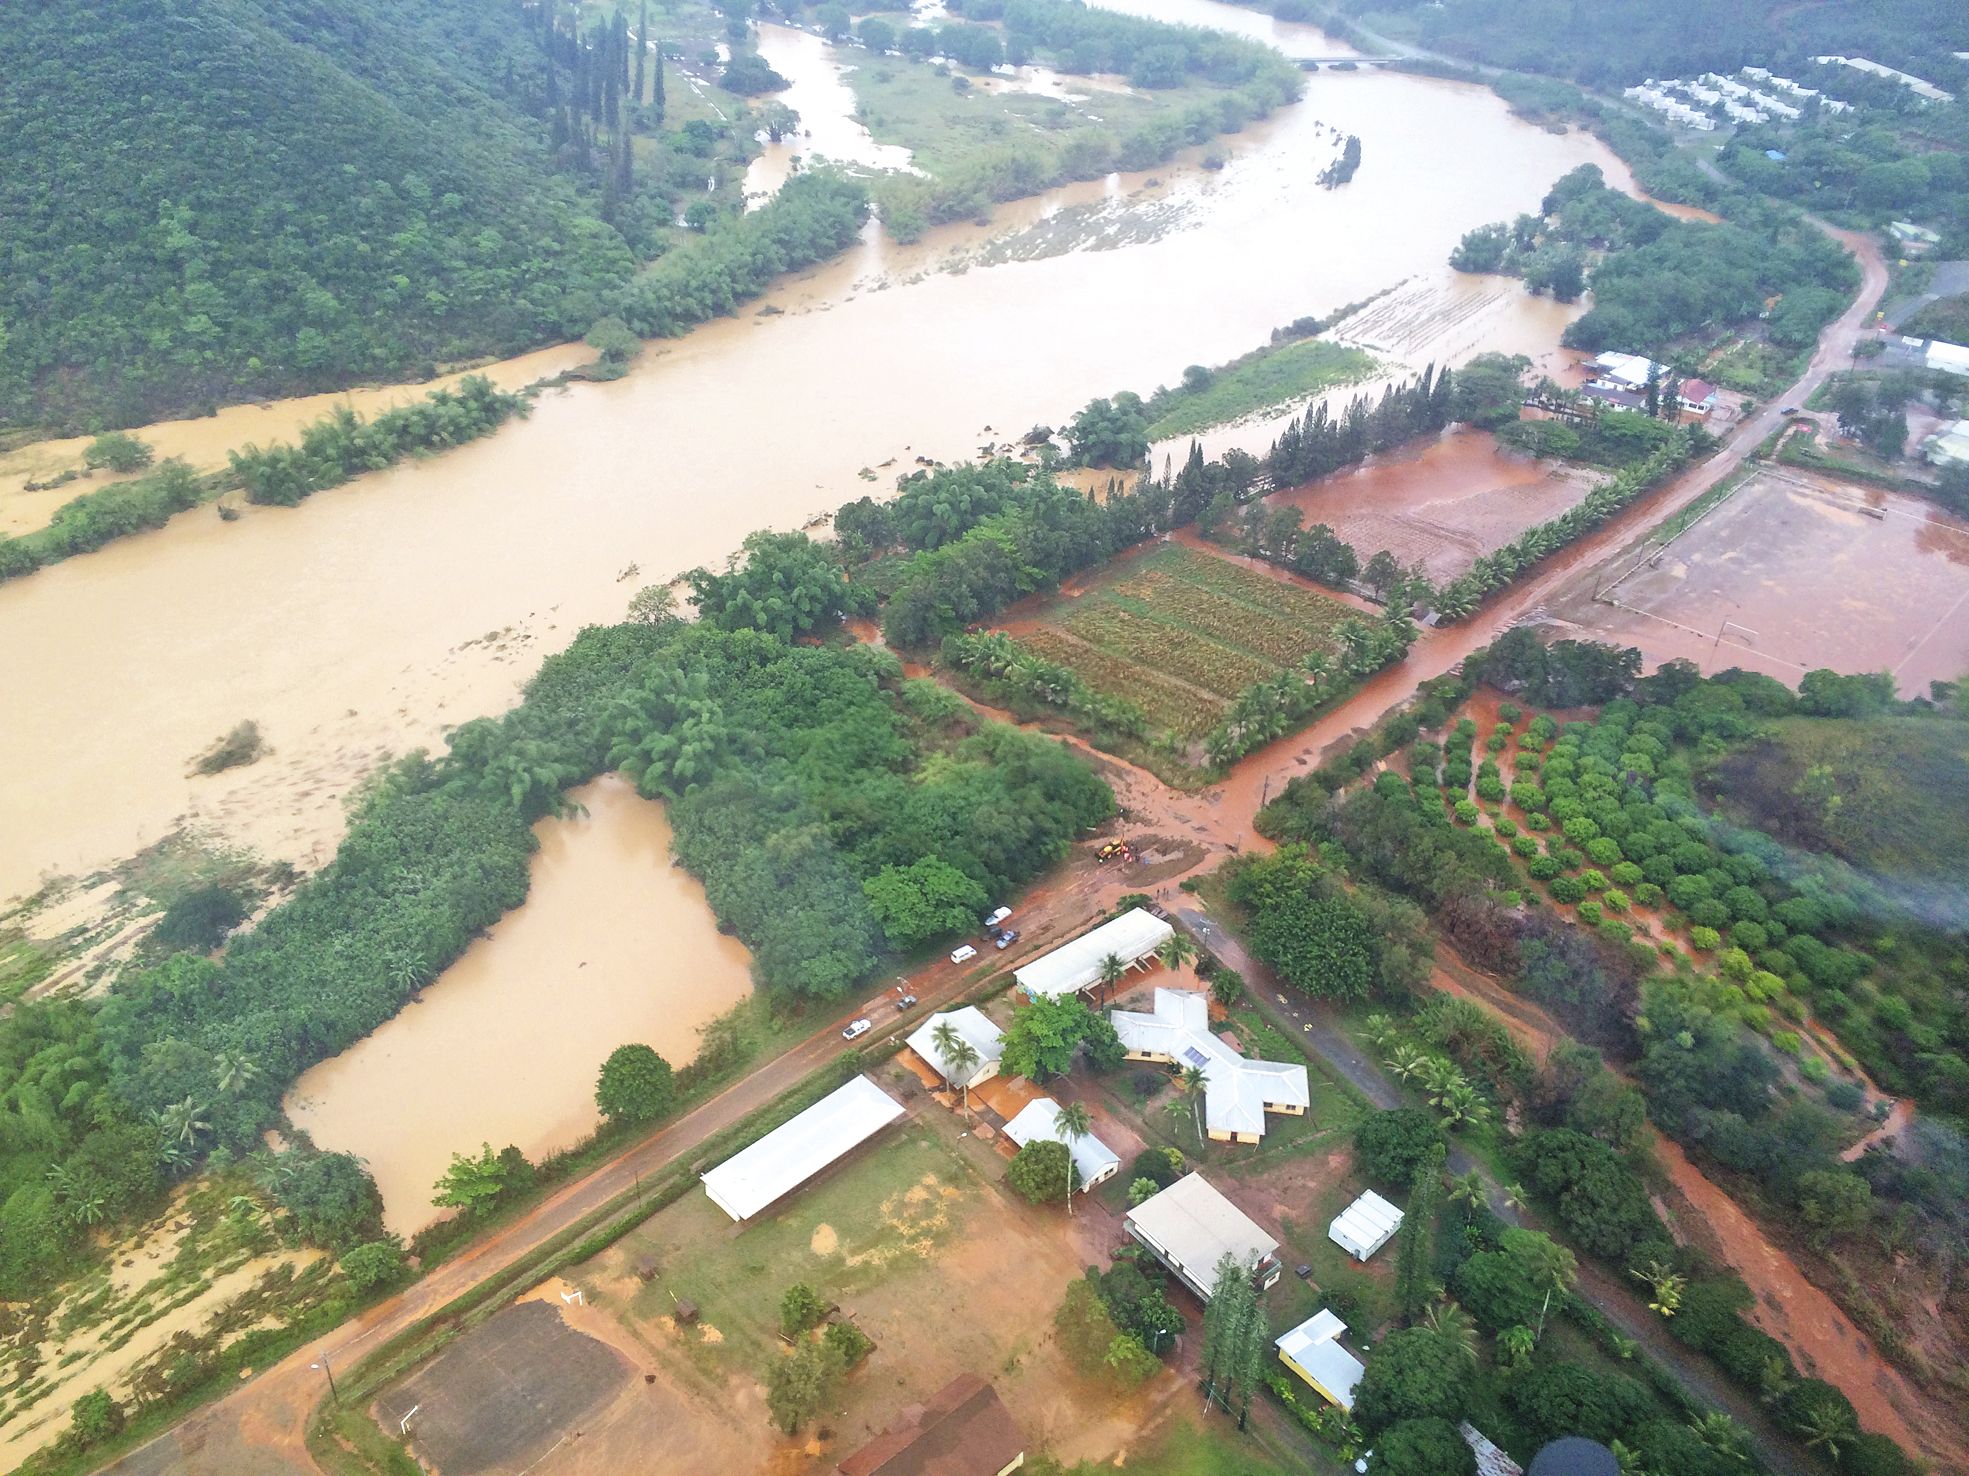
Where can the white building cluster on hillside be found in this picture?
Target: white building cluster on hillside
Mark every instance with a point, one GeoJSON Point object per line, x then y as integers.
{"type": "Point", "coordinates": [1694, 103]}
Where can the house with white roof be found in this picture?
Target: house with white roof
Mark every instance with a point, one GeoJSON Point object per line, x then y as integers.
{"type": "Point", "coordinates": [1039, 1120]}
{"type": "Point", "coordinates": [1237, 1093]}
{"type": "Point", "coordinates": [1073, 967]}
{"type": "Point", "coordinates": [1312, 1350]}
{"type": "Point", "coordinates": [976, 1031]}
{"type": "Point", "coordinates": [1364, 1226]}
{"type": "Point", "coordinates": [1189, 1227]}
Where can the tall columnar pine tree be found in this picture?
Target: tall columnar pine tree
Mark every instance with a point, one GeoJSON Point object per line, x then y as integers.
{"type": "Point", "coordinates": [1412, 1258]}
{"type": "Point", "coordinates": [642, 51]}
{"type": "Point", "coordinates": [1234, 1339]}
{"type": "Point", "coordinates": [656, 100]}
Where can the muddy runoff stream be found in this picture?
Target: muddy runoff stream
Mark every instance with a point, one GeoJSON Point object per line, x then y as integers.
{"type": "Point", "coordinates": [376, 615]}
{"type": "Point", "coordinates": [613, 944]}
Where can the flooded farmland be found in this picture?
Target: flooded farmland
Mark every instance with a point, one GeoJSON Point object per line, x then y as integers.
{"type": "Point", "coordinates": [613, 945]}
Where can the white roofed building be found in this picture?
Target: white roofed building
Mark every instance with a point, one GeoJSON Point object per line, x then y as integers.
{"type": "Point", "coordinates": [1190, 1227]}
{"type": "Point", "coordinates": [1039, 1121]}
{"type": "Point", "coordinates": [1312, 1350]}
{"type": "Point", "coordinates": [975, 1030]}
{"type": "Point", "coordinates": [1237, 1092]}
{"type": "Point", "coordinates": [795, 1151]}
{"type": "Point", "coordinates": [1948, 446]}
{"type": "Point", "coordinates": [1075, 966]}
{"type": "Point", "coordinates": [1364, 1226]}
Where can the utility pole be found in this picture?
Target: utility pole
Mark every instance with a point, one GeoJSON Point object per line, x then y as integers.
{"type": "Point", "coordinates": [333, 1392]}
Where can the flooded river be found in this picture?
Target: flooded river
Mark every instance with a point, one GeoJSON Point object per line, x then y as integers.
{"type": "Point", "coordinates": [375, 615]}
{"type": "Point", "coordinates": [826, 105]}
{"type": "Point", "coordinates": [613, 945]}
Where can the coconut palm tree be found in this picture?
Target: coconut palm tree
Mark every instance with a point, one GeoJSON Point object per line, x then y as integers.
{"type": "Point", "coordinates": [1074, 1123]}
{"type": "Point", "coordinates": [234, 1070]}
{"type": "Point", "coordinates": [1193, 1083]}
{"type": "Point", "coordinates": [183, 1122]}
{"type": "Point", "coordinates": [1467, 1189]}
{"type": "Point", "coordinates": [1829, 1428]}
{"type": "Point", "coordinates": [1723, 1436]}
{"type": "Point", "coordinates": [960, 1058]}
{"type": "Point", "coordinates": [1176, 950]}
{"type": "Point", "coordinates": [1112, 969]}
{"type": "Point", "coordinates": [1455, 1327]}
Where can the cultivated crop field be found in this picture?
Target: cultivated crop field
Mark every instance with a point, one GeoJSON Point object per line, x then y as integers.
{"type": "Point", "coordinates": [1180, 633]}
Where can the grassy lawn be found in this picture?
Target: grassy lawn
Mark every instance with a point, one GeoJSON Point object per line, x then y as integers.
{"type": "Point", "coordinates": [883, 1213]}
{"type": "Point", "coordinates": [1212, 1448]}
{"type": "Point", "coordinates": [1263, 380]}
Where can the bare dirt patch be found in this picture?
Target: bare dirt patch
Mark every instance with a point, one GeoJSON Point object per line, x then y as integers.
{"type": "Point", "coordinates": [1443, 505]}
{"type": "Point", "coordinates": [1795, 571]}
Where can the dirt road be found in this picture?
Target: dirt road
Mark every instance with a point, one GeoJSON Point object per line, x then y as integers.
{"type": "Point", "coordinates": [259, 1428]}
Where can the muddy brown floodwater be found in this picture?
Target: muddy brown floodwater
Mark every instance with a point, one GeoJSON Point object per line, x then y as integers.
{"type": "Point", "coordinates": [377, 614]}
{"type": "Point", "coordinates": [828, 127]}
{"type": "Point", "coordinates": [613, 945]}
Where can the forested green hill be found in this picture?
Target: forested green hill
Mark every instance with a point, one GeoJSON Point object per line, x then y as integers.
{"type": "Point", "coordinates": [205, 199]}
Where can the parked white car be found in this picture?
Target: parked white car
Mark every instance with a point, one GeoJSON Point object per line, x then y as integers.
{"type": "Point", "coordinates": [964, 954]}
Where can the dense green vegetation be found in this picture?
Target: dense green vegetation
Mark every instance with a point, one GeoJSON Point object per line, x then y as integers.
{"type": "Point", "coordinates": [1778, 931]}
{"type": "Point", "coordinates": [392, 201]}
{"type": "Point", "coordinates": [1658, 280]}
{"type": "Point", "coordinates": [797, 775]}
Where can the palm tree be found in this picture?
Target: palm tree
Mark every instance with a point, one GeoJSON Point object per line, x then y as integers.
{"type": "Point", "coordinates": [1455, 1327]}
{"type": "Point", "coordinates": [1467, 1189]}
{"type": "Point", "coordinates": [1722, 1435]}
{"type": "Point", "coordinates": [1514, 1195]}
{"type": "Point", "coordinates": [182, 1123]}
{"type": "Point", "coordinates": [1176, 950]}
{"type": "Point", "coordinates": [234, 1070]}
{"type": "Point", "coordinates": [1193, 1083]}
{"type": "Point", "coordinates": [1828, 1427]}
{"type": "Point", "coordinates": [1111, 971]}
{"type": "Point", "coordinates": [1073, 1123]}
{"type": "Point", "coordinates": [958, 1055]}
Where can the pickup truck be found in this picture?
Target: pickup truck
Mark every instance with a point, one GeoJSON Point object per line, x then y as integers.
{"type": "Point", "coordinates": [996, 916]}
{"type": "Point", "coordinates": [858, 1028]}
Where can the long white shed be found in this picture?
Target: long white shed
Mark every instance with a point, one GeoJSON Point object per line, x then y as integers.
{"type": "Point", "coordinates": [1075, 966]}
{"type": "Point", "coordinates": [796, 1150]}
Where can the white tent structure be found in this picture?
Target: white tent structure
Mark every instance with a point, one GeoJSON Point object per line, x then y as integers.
{"type": "Point", "coordinates": [1039, 1120]}
{"type": "Point", "coordinates": [795, 1151]}
{"type": "Point", "coordinates": [1237, 1093]}
{"type": "Point", "coordinates": [1312, 1350]}
{"type": "Point", "coordinates": [1364, 1226]}
{"type": "Point", "coordinates": [1075, 966]}
{"type": "Point", "coordinates": [976, 1030]}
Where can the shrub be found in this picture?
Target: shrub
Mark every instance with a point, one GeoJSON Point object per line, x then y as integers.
{"type": "Point", "coordinates": [1466, 811]}
{"type": "Point", "coordinates": [1537, 822]}
{"type": "Point", "coordinates": [200, 920]}
{"type": "Point", "coordinates": [1568, 889]}
{"type": "Point", "coordinates": [1593, 880]}
{"type": "Point", "coordinates": [1647, 894]}
{"type": "Point", "coordinates": [848, 1342]}
{"type": "Point", "coordinates": [1749, 936]}
{"type": "Point", "coordinates": [1491, 788]}
{"type": "Point", "coordinates": [1510, 712]}
{"type": "Point", "coordinates": [1543, 868]}
{"type": "Point", "coordinates": [1041, 1171]}
{"type": "Point", "coordinates": [1709, 913]}
{"type": "Point", "coordinates": [1579, 830]}
{"type": "Point", "coordinates": [1527, 846]}
{"type": "Point", "coordinates": [1506, 827]}
{"type": "Point", "coordinates": [118, 451]}
{"type": "Point", "coordinates": [378, 1263]}
{"type": "Point", "coordinates": [1614, 900]}
{"type": "Point", "coordinates": [1624, 874]}
{"type": "Point", "coordinates": [1604, 852]}
{"type": "Point", "coordinates": [1571, 858]}
{"type": "Point", "coordinates": [1498, 741]}
{"type": "Point", "coordinates": [1160, 1166]}
{"type": "Point", "coordinates": [1589, 913]}
{"type": "Point", "coordinates": [96, 1417]}
{"type": "Point", "coordinates": [799, 1309]}
{"type": "Point", "coordinates": [1388, 1146]}
{"type": "Point", "coordinates": [1704, 939]}
{"type": "Point", "coordinates": [1142, 1190]}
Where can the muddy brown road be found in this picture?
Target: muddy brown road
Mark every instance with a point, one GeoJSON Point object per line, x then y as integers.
{"type": "Point", "coordinates": [260, 1427]}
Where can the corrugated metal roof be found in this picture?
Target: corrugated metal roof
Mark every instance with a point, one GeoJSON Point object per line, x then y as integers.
{"type": "Point", "coordinates": [795, 1151]}
{"type": "Point", "coordinates": [1075, 966]}
{"type": "Point", "coordinates": [1195, 1226]}
{"type": "Point", "coordinates": [972, 1025]}
{"type": "Point", "coordinates": [1039, 1119]}
{"type": "Point", "coordinates": [1365, 1225]}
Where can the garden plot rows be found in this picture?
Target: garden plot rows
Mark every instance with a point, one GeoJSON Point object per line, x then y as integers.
{"type": "Point", "coordinates": [1182, 634]}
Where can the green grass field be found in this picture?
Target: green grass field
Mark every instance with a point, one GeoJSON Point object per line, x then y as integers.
{"type": "Point", "coordinates": [1181, 633]}
{"type": "Point", "coordinates": [1264, 380]}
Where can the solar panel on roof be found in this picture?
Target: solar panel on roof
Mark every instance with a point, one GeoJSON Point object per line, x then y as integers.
{"type": "Point", "coordinates": [1195, 1057]}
